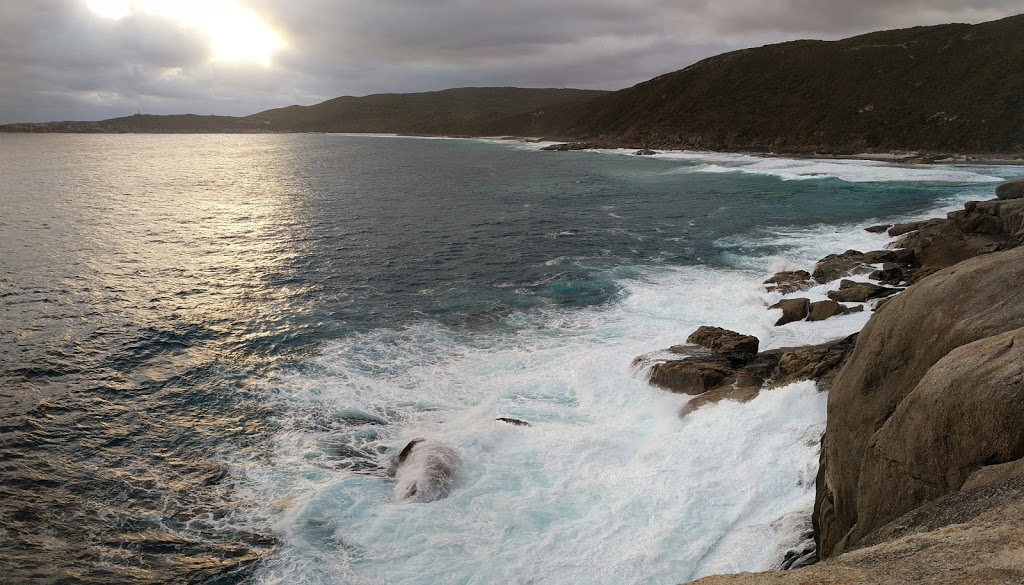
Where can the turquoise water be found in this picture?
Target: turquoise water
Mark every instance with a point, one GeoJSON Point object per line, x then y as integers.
{"type": "Point", "coordinates": [210, 346]}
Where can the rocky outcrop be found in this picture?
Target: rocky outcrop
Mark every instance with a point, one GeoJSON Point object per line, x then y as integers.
{"type": "Point", "coordinates": [835, 266]}
{"type": "Point", "coordinates": [971, 301]}
{"type": "Point", "coordinates": [731, 374]}
{"type": "Point", "coordinates": [980, 228]}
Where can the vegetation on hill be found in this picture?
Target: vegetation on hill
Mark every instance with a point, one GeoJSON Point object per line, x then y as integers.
{"type": "Point", "coordinates": [952, 87]}
{"type": "Point", "coordinates": [470, 111]}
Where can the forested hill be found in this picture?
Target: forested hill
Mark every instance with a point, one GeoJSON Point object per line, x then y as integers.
{"type": "Point", "coordinates": [952, 87]}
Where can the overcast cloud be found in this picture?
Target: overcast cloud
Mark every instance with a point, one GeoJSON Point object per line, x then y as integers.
{"type": "Point", "coordinates": [59, 60]}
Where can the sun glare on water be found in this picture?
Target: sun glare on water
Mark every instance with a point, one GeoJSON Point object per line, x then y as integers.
{"type": "Point", "coordinates": [235, 33]}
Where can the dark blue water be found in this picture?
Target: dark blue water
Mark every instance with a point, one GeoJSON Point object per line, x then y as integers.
{"type": "Point", "coordinates": [150, 285]}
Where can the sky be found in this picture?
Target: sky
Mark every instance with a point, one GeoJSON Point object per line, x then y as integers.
{"type": "Point", "coordinates": [96, 59]}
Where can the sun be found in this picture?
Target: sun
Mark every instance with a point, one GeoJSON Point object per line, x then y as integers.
{"type": "Point", "coordinates": [235, 33]}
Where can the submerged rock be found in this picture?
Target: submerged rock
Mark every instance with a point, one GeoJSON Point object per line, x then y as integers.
{"type": "Point", "coordinates": [426, 470]}
{"type": "Point", "coordinates": [513, 421]}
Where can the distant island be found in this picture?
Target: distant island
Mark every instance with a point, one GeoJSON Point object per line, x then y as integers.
{"type": "Point", "coordinates": [954, 88]}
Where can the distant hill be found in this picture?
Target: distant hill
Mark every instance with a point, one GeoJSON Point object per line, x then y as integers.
{"type": "Point", "coordinates": [946, 88]}
{"type": "Point", "coordinates": [952, 87]}
{"type": "Point", "coordinates": [469, 111]}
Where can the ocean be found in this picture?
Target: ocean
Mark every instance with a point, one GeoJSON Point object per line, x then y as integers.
{"type": "Point", "coordinates": [212, 345]}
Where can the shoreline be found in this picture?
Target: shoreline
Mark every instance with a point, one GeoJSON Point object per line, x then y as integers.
{"type": "Point", "coordinates": [940, 266]}
{"type": "Point", "coordinates": [906, 157]}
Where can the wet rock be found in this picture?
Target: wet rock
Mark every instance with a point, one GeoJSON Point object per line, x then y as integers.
{"type": "Point", "coordinates": [721, 340]}
{"type": "Point", "coordinates": [905, 228]}
{"type": "Point", "coordinates": [878, 229]}
{"type": "Point", "coordinates": [834, 266]}
{"type": "Point", "coordinates": [737, 394]}
{"type": "Point", "coordinates": [815, 362]}
{"type": "Point", "coordinates": [513, 421]}
{"type": "Point", "coordinates": [822, 310]}
{"type": "Point", "coordinates": [891, 273]}
{"type": "Point", "coordinates": [693, 375]}
{"type": "Point", "coordinates": [901, 256]}
{"type": "Point", "coordinates": [792, 310]}
{"type": "Point", "coordinates": [851, 309]}
{"type": "Point", "coordinates": [789, 281]}
{"type": "Point", "coordinates": [645, 152]}
{"type": "Point", "coordinates": [858, 292]}
{"type": "Point", "coordinates": [1011, 189]}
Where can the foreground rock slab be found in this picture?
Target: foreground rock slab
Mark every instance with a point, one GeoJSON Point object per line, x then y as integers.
{"type": "Point", "coordinates": [970, 301]}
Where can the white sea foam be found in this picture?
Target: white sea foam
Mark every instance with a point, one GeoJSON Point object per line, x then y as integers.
{"type": "Point", "coordinates": [802, 169]}
{"type": "Point", "coordinates": [608, 485]}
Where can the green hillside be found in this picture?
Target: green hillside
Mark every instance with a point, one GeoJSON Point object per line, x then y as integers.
{"type": "Point", "coordinates": [953, 87]}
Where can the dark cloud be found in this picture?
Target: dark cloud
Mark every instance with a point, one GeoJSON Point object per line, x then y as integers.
{"type": "Point", "coordinates": [60, 61]}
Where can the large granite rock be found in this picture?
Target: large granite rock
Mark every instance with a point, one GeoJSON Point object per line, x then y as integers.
{"type": "Point", "coordinates": [965, 413]}
{"type": "Point", "coordinates": [973, 300]}
{"type": "Point", "coordinates": [1011, 189]}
